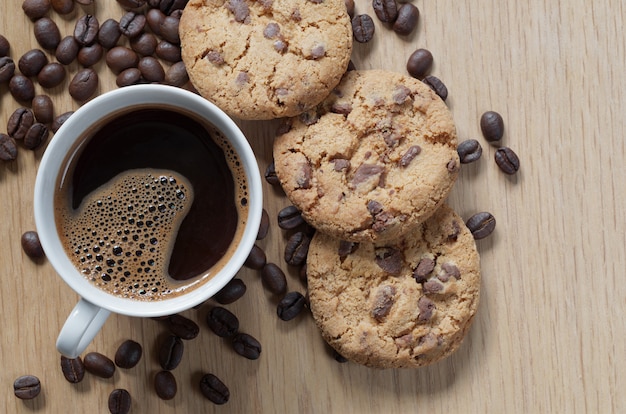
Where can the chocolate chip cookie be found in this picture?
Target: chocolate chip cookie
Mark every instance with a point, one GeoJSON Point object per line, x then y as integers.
{"type": "Point", "coordinates": [401, 304]}
{"type": "Point", "coordinates": [373, 160]}
{"type": "Point", "coordinates": [265, 59]}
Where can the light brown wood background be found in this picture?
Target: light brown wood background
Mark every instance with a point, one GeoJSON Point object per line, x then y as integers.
{"type": "Point", "coordinates": [550, 334]}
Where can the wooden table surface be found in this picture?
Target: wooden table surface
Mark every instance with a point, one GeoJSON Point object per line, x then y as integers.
{"type": "Point", "coordinates": [550, 333]}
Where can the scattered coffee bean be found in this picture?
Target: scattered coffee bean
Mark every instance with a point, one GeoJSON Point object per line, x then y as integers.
{"type": "Point", "coordinates": [170, 7]}
{"type": "Point", "coordinates": [169, 29]}
{"type": "Point", "coordinates": [290, 306]}
{"type": "Point", "coordinates": [128, 354]}
{"type": "Point", "coordinates": [507, 160]}
{"type": "Point", "coordinates": [270, 175]}
{"type": "Point", "coordinates": [90, 55]}
{"type": "Point", "coordinates": [151, 69]}
{"type": "Point", "coordinates": [492, 126]}
{"type": "Point", "coordinates": [109, 33]}
{"type": "Point", "coordinates": [436, 85]}
{"type": "Point", "coordinates": [408, 17]}
{"type": "Point", "coordinates": [73, 369]}
{"type": "Point", "coordinates": [264, 226]}
{"type": "Point", "coordinates": [127, 77]}
{"type": "Point", "coordinates": [47, 33]}
{"type": "Point", "coordinates": [350, 8]}
{"type": "Point", "coordinates": [182, 327]}
{"type": "Point", "coordinates": [256, 259]}
{"type": "Point", "coordinates": [363, 28]}
{"type": "Point", "coordinates": [273, 279]}
{"type": "Point", "coordinates": [19, 122]}
{"type": "Point", "coordinates": [120, 58]}
{"type": "Point", "coordinates": [154, 17]}
{"type": "Point", "coordinates": [297, 249]}
{"type": "Point", "coordinates": [84, 84]}
{"type": "Point", "coordinates": [31, 62]}
{"type": "Point", "coordinates": [145, 44]}
{"type": "Point", "coordinates": [51, 75]}
{"type": "Point", "coordinates": [85, 2]}
{"type": "Point", "coordinates": [132, 24]}
{"type": "Point", "coordinates": [177, 75]}
{"type": "Point", "coordinates": [338, 357]}
{"type": "Point", "coordinates": [120, 401]}
{"type": "Point", "coordinates": [22, 88]}
{"type": "Point", "coordinates": [62, 6]}
{"type": "Point", "coordinates": [60, 120]}
{"type": "Point", "coordinates": [171, 352]}
{"type": "Point", "coordinates": [131, 4]}
{"type": "Point", "coordinates": [214, 389]}
{"type": "Point", "coordinates": [7, 69]}
{"type": "Point", "coordinates": [67, 50]}
{"type": "Point", "coordinates": [5, 46]}
{"type": "Point", "coordinates": [469, 150]}
{"type": "Point", "coordinates": [27, 387]}
{"type": "Point", "coordinates": [86, 30]}
{"type": "Point", "coordinates": [165, 385]}
{"type": "Point", "coordinates": [385, 10]}
{"type": "Point", "coordinates": [43, 109]}
{"type": "Point", "coordinates": [233, 290]}
{"type": "Point", "coordinates": [169, 52]}
{"type": "Point", "coordinates": [36, 9]}
{"type": "Point", "coordinates": [419, 63]}
{"type": "Point", "coordinates": [8, 148]}
{"type": "Point", "coordinates": [289, 218]}
{"type": "Point", "coordinates": [481, 224]}
{"type": "Point", "coordinates": [222, 322]}
{"type": "Point", "coordinates": [36, 135]}
{"type": "Point", "coordinates": [99, 365]}
{"type": "Point", "coordinates": [246, 346]}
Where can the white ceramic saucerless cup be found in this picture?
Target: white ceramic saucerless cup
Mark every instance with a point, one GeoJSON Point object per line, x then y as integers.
{"type": "Point", "coordinates": [95, 305]}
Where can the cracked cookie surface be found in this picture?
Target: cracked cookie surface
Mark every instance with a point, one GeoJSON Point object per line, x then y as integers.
{"type": "Point", "coordinates": [375, 158]}
{"type": "Point", "coordinates": [265, 59]}
{"type": "Point", "coordinates": [401, 304]}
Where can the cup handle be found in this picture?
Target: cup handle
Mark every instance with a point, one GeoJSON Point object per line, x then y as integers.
{"type": "Point", "coordinates": [81, 326]}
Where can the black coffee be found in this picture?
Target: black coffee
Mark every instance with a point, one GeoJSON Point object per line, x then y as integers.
{"type": "Point", "coordinates": [151, 204]}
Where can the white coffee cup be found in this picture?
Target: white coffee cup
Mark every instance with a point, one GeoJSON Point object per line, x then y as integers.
{"type": "Point", "coordinates": [95, 304]}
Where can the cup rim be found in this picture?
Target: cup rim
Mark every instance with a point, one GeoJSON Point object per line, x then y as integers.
{"type": "Point", "coordinates": [50, 168]}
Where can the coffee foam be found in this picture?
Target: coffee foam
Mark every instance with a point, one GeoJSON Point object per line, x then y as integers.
{"type": "Point", "coordinates": [121, 236]}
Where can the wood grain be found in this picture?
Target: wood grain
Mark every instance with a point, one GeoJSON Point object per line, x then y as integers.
{"type": "Point", "coordinates": [550, 332]}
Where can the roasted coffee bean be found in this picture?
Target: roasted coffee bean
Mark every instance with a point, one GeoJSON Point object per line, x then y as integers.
{"type": "Point", "coordinates": [86, 30]}
{"type": "Point", "coordinates": [507, 160]}
{"type": "Point", "coordinates": [419, 64]}
{"type": "Point", "coordinates": [60, 120]}
{"type": "Point", "coordinates": [233, 290]}
{"type": "Point", "coordinates": [151, 69]}
{"type": "Point", "coordinates": [84, 84]}
{"type": "Point", "coordinates": [8, 148]}
{"type": "Point", "coordinates": [145, 44]}
{"type": "Point", "coordinates": [154, 17]}
{"type": "Point", "coordinates": [469, 151]}
{"type": "Point", "coordinates": [171, 6]}
{"type": "Point", "coordinates": [85, 2]}
{"type": "Point", "coordinates": [165, 385]}
{"type": "Point", "coordinates": [67, 50]}
{"type": "Point", "coordinates": [130, 76]}
{"type": "Point", "coordinates": [169, 29]}
{"type": "Point", "coordinates": [132, 24]}
{"type": "Point", "coordinates": [256, 259]}
{"type": "Point", "coordinates": [109, 33]}
{"type": "Point", "coordinates": [177, 75]}
{"type": "Point", "coordinates": [290, 306]}
{"type": "Point", "coordinates": [128, 354]}
{"type": "Point", "coordinates": [99, 365]}
{"type": "Point", "coordinates": [31, 245]}
{"type": "Point", "coordinates": [246, 346]}
{"type": "Point", "coordinates": [31, 62]}
{"type": "Point", "coordinates": [90, 55]}
{"type": "Point", "coordinates": [270, 175]}
{"type": "Point", "coordinates": [22, 88]}
{"type": "Point", "coordinates": [492, 126]}
{"type": "Point", "coordinates": [168, 51]}
{"type": "Point", "coordinates": [386, 10]}
{"type": "Point", "coordinates": [363, 28]}
{"type": "Point", "coordinates": [222, 322]}
{"type": "Point", "coordinates": [436, 85]}
{"type": "Point", "coordinates": [7, 69]}
{"type": "Point", "coordinates": [350, 8]}
{"type": "Point", "coordinates": [214, 389]}
{"type": "Point", "coordinates": [47, 33]}
{"type": "Point", "coordinates": [131, 4]}
{"type": "Point", "coordinates": [120, 401]}
{"type": "Point", "coordinates": [289, 218]}
{"type": "Point", "coordinates": [171, 352]}
{"type": "Point", "coordinates": [297, 249]}
{"type": "Point", "coordinates": [120, 58]}
{"type": "Point", "coordinates": [36, 135]}
{"type": "Point", "coordinates": [62, 6]}
{"type": "Point", "coordinates": [51, 75]}
{"type": "Point", "coordinates": [36, 9]}
{"type": "Point", "coordinates": [264, 226]}
{"type": "Point", "coordinates": [182, 327]}
{"type": "Point", "coordinates": [5, 46]}
{"type": "Point", "coordinates": [481, 224]}
{"type": "Point", "coordinates": [73, 369]}
{"type": "Point", "coordinates": [43, 109]}
{"type": "Point", "coordinates": [338, 357]}
{"type": "Point", "coordinates": [406, 22]}
{"type": "Point", "coordinates": [273, 278]}
{"type": "Point", "coordinates": [27, 387]}
{"type": "Point", "coordinates": [19, 122]}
